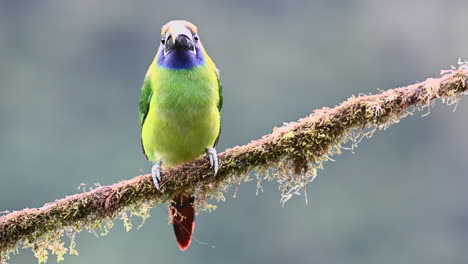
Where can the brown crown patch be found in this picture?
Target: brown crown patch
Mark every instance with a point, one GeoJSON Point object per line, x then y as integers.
{"type": "Point", "coordinates": [177, 23]}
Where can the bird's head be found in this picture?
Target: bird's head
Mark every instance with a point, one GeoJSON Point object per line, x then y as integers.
{"type": "Point", "coordinates": [180, 46]}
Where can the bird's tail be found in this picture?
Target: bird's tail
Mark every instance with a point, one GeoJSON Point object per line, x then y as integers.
{"type": "Point", "coordinates": [182, 216]}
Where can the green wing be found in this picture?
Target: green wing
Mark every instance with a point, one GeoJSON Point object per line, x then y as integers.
{"type": "Point", "coordinates": [220, 91]}
{"type": "Point", "coordinates": [145, 98]}
{"type": "Point", "coordinates": [220, 105]}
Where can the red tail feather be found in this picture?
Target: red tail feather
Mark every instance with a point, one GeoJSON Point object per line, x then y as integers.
{"type": "Point", "coordinates": [183, 219]}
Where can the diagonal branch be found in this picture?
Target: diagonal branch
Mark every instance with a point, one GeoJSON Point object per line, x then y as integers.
{"type": "Point", "coordinates": [295, 150]}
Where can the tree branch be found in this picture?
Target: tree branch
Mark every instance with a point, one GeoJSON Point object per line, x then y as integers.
{"type": "Point", "coordinates": [294, 151]}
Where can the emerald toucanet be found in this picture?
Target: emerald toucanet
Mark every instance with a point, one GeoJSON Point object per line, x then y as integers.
{"type": "Point", "coordinates": [180, 113]}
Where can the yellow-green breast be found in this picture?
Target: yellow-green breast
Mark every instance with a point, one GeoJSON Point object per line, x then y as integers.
{"type": "Point", "coordinates": [183, 117]}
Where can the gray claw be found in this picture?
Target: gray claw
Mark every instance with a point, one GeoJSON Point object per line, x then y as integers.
{"type": "Point", "coordinates": [156, 173]}
{"type": "Point", "coordinates": [213, 156]}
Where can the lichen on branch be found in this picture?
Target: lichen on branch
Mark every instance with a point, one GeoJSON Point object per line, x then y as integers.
{"type": "Point", "coordinates": [291, 155]}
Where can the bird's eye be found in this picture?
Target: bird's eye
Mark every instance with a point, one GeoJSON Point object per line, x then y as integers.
{"type": "Point", "coordinates": [163, 40]}
{"type": "Point", "coordinates": [195, 37]}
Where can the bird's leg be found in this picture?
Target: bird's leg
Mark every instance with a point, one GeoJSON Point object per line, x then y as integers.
{"type": "Point", "coordinates": [156, 173]}
{"type": "Point", "coordinates": [213, 156]}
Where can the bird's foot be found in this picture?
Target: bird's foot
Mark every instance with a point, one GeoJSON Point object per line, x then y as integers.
{"type": "Point", "coordinates": [213, 156]}
{"type": "Point", "coordinates": [156, 173]}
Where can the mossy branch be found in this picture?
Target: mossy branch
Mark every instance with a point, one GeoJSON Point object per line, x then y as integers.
{"type": "Point", "coordinates": [293, 152]}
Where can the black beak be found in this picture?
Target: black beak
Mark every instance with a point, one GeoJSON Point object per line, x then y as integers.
{"type": "Point", "coordinates": [181, 41]}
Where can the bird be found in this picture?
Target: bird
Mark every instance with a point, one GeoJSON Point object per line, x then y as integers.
{"type": "Point", "coordinates": [180, 114]}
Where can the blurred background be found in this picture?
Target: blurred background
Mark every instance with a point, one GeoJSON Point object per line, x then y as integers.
{"type": "Point", "coordinates": [70, 78]}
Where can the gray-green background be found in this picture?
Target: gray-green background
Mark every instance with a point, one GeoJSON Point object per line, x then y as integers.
{"type": "Point", "coordinates": [70, 76]}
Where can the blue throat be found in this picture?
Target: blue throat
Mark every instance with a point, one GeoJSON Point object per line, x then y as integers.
{"type": "Point", "coordinates": [180, 59]}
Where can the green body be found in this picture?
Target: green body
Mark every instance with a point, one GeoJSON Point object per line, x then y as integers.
{"type": "Point", "coordinates": [180, 113]}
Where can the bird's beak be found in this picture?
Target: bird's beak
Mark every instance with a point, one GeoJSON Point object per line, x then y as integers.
{"type": "Point", "coordinates": [179, 36]}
